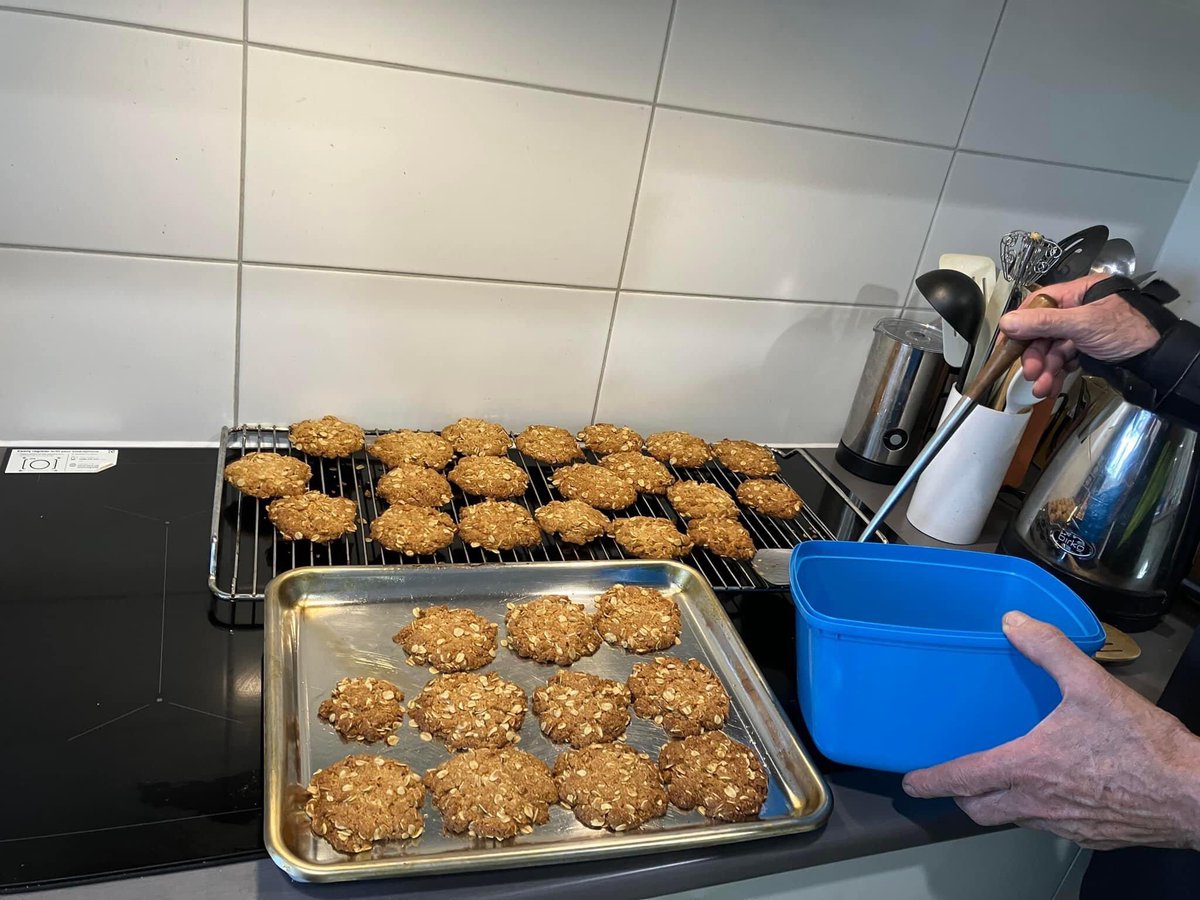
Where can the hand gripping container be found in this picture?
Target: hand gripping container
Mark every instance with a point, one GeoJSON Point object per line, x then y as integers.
{"type": "Point", "coordinates": [901, 660]}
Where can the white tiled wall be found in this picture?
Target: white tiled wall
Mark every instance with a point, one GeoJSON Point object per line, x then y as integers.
{"type": "Point", "coordinates": [669, 212]}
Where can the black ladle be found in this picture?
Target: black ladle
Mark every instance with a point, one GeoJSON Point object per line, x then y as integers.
{"type": "Point", "coordinates": [955, 297]}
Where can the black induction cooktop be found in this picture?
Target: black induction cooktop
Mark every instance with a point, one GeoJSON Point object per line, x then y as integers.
{"type": "Point", "coordinates": [133, 740]}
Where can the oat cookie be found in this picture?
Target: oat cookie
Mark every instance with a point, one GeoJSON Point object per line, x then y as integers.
{"type": "Point", "coordinates": [475, 437]}
{"type": "Point", "coordinates": [724, 537]}
{"type": "Point", "coordinates": [551, 629]}
{"type": "Point", "coordinates": [579, 709]}
{"type": "Point", "coordinates": [470, 709]}
{"type": "Point", "coordinates": [572, 520]}
{"type": "Point", "coordinates": [648, 475]}
{"type": "Point", "coordinates": [715, 774]}
{"type": "Point", "coordinates": [610, 786]}
{"type": "Point", "coordinates": [498, 525]}
{"type": "Point", "coordinates": [328, 437]}
{"type": "Point", "coordinates": [684, 697]}
{"type": "Point", "coordinates": [678, 448]}
{"type": "Point", "coordinates": [313, 516]}
{"type": "Point", "coordinates": [604, 439]}
{"type": "Point", "coordinates": [548, 444]}
{"type": "Point", "coordinates": [772, 498]}
{"type": "Point", "coordinates": [418, 448]}
{"type": "Point", "coordinates": [491, 793]}
{"type": "Point", "coordinates": [449, 640]}
{"type": "Point", "coordinates": [648, 537]}
{"type": "Point", "coordinates": [595, 486]}
{"type": "Point", "coordinates": [697, 500]}
{"type": "Point", "coordinates": [362, 799]}
{"type": "Point", "coordinates": [639, 619]}
{"type": "Point", "coordinates": [414, 485]}
{"type": "Point", "coordinates": [746, 458]}
{"type": "Point", "coordinates": [496, 477]}
{"type": "Point", "coordinates": [364, 709]}
{"type": "Point", "coordinates": [266, 475]}
{"type": "Point", "coordinates": [413, 530]}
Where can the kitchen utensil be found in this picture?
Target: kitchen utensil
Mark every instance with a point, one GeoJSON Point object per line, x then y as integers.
{"type": "Point", "coordinates": [1019, 397]}
{"type": "Point", "coordinates": [1114, 514]}
{"type": "Point", "coordinates": [1025, 256]}
{"type": "Point", "coordinates": [1002, 357]}
{"type": "Point", "coordinates": [1139, 280]}
{"type": "Point", "coordinates": [1116, 257]}
{"type": "Point", "coordinates": [326, 623]}
{"type": "Point", "coordinates": [1118, 647]}
{"type": "Point", "coordinates": [1078, 252]}
{"type": "Point", "coordinates": [958, 300]}
{"type": "Point", "coordinates": [980, 269]}
{"type": "Point", "coordinates": [895, 401]}
{"type": "Point", "coordinates": [954, 495]}
{"type": "Point", "coordinates": [901, 662]}
{"type": "Point", "coordinates": [773, 565]}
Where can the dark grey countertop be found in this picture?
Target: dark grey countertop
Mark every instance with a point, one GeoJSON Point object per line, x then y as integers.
{"type": "Point", "coordinates": [871, 815]}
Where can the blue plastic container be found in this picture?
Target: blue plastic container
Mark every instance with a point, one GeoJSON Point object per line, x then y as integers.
{"type": "Point", "coordinates": [901, 660]}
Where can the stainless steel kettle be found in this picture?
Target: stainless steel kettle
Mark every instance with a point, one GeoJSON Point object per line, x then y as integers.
{"type": "Point", "coordinates": [1114, 515]}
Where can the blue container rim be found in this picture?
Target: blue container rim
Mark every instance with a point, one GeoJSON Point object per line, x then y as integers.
{"type": "Point", "coordinates": [1089, 635]}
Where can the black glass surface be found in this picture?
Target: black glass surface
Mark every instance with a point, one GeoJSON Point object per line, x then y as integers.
{"type": "Point", "coordinates": [133, 740]}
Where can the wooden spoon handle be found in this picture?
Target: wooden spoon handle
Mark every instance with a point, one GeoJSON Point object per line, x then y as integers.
{"type": "Point", "coordinates": [1005, 353]}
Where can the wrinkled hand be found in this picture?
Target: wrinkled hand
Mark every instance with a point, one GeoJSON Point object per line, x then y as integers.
{"type": "Point", "coordinates": [1109, 330]}
{"type": "Point", "coordinates": [1106, 769]}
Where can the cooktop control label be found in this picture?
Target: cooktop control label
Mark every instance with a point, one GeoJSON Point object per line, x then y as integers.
{"type": "Point", "coordinates": [59, 462]}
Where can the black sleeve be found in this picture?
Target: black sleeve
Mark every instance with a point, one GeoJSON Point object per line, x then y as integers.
{"type": "Point", "coordinates": [1166, 378]}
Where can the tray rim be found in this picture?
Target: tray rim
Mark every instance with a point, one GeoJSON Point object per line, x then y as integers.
{"type": "Point", "coordinates": [274, 746]}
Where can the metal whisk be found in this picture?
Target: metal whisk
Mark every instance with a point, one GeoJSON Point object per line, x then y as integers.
{"type": "Point", "coordinates": [1025, 256]}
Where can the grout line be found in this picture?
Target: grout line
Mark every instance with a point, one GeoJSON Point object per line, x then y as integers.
{"type": "Point", "coordinates": [1065, 165]}
{"type": "Point", "coordinates": [937, 204]}
{"type": "Point", "coordinates": [742, 298]}
{"type": "Point", "coordinates": [637, 193]}
{"type": "Point", "coordinates": [122, 254]}
{"type": "Point", "coordinates": [426, 70]}
{"type": "Point", "coordinates": [104, 724]}
{"type": "Point", "coordinates": [479, 279]}
{"type": "Point", "coordinates": [97, 20]}
{"type": "Point", "coordinates": [162, 626]}
{"type": "Point", "coordinates": [241, 232]}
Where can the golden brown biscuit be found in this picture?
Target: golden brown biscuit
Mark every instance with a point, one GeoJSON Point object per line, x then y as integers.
{"type": "Point", "coordinates": [469, 709]}
{"type": "Point", "coordinates": [548, 444]}
{"type": "Point", "coordinates": [697, 500]}
{"type": "Point", "coordinates": [475, 437]}
{"type": "Point", "coordinates": [572, 520]}
{"type": "Point", "coordinates": [497, 525]}
{"type": "Point", "coordinates": [266, 475]}
{"type": "Point", "coordinates": [448, 640]}
{"type": "Point", "coordinates": [678, 448]}
{"type": "Point", "coordinates": [604, 439]}
{"type": "Point", "coordinates": [551, 629]}
{"type": "Point", "coordinates": [724, 537]}
{"type": "Point", "coordinates": [414, 485]}
{"type": "Point", "coordinates": [772, 498]}
{"type": "Point", "coordinates": [610, 786]}
{"type": "Point", "coordinates": [362, 799]}
{"type": "Point", "coordinates": [684, 697]}
{"type": "Point", "coordinates": [418, 448]}
{"type": "Point", "coordinates": [715, 774]}
{"type": "Point", "coordinates": [364, 709]}
{"type": "Point", "coordinates": [648, 537]}
{"type": "Point", "coordinates": [495, 794]}
{"type": "Point", "coordinates": [413, 530]}
{"type": "Point", "coordinates": [639, 619]}
{"type": "Point", "coordinates": [328, 437]}
{"type": "Point", "coordinates": [648, 475]}
{"type": "Point", "coordinates": [595, 486]}
{"type": "Point", "coordinates": [490, 476]}
{"type": "Point", "coordinates": [746, 458]}
{"type": "Point", "coordinates": [313, 516]}
{"type": "Point", "coordinates": [579, 709]}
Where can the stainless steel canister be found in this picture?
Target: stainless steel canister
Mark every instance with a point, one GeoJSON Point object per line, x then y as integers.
{"type": "Point", "coordinates": [897, 394]}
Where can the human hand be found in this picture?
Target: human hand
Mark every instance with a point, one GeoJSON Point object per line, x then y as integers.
{"type": "Point", "coordinates": [1109, 330]}
{"type": "Point", "coordinates": [1106, 769]}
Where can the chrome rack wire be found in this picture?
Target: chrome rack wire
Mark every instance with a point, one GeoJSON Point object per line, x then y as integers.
{"type": "Point", "coordinates": [246, 552]}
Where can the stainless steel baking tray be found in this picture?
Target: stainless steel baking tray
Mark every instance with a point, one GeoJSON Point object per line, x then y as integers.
{"type": "Point", "coordinates": [326, 623]}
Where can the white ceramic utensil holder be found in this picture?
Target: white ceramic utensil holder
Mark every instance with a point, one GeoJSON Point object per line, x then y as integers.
{"type": "Point", "coordinates": [956, 491]}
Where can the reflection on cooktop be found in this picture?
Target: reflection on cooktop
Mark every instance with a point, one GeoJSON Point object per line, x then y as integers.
{"type": "Point", "coordinates": [136, 744]}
